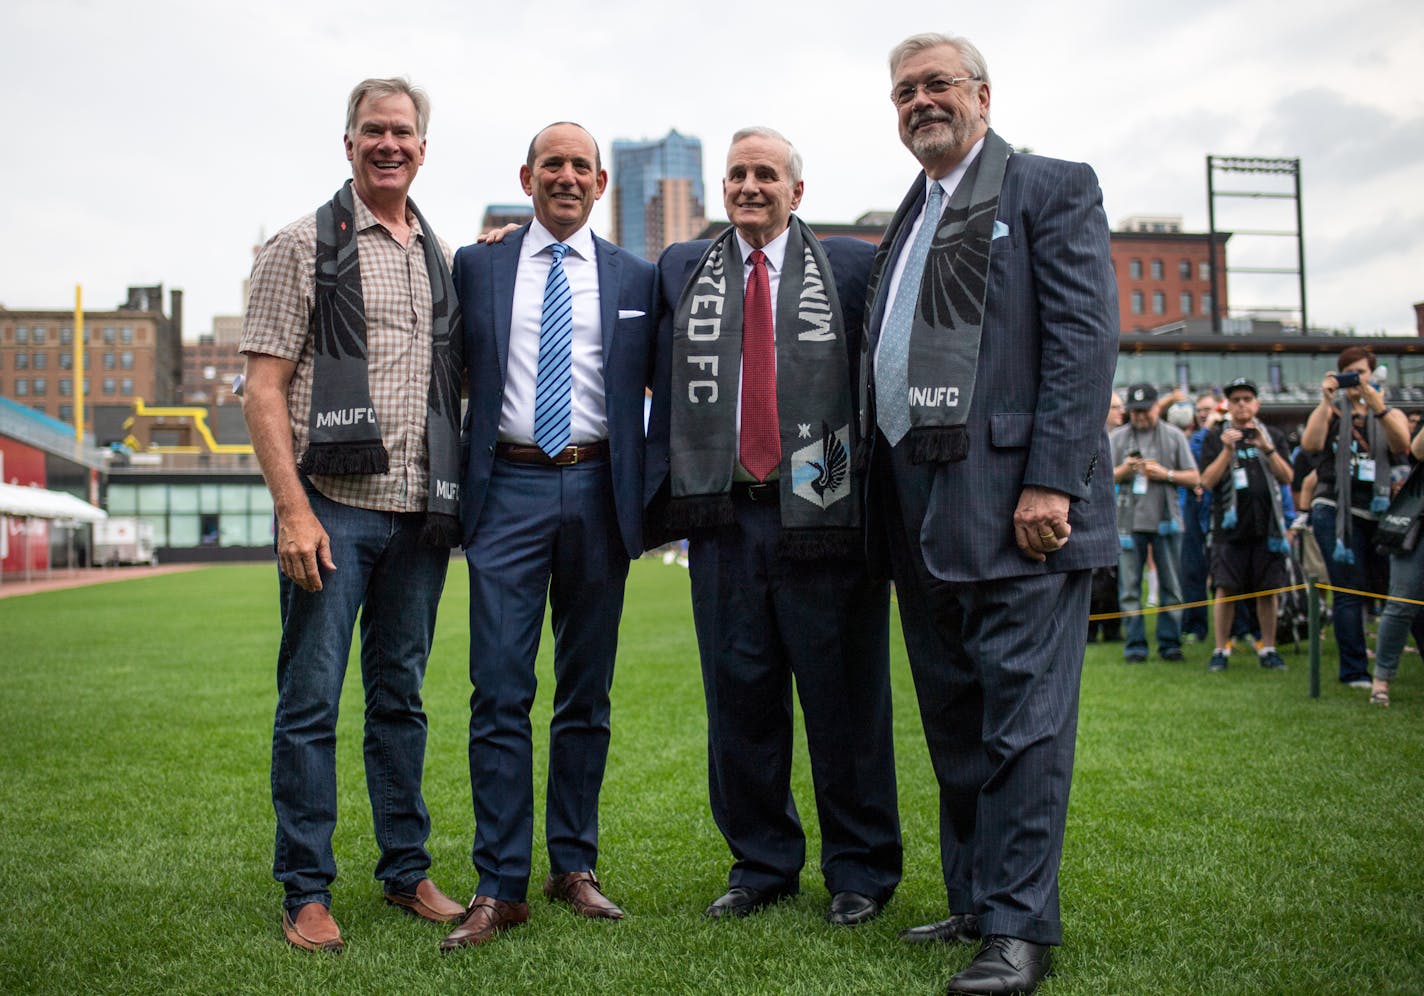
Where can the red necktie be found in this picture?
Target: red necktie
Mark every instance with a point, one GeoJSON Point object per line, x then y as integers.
{"type": "Point", "coordinates": [761, 436]}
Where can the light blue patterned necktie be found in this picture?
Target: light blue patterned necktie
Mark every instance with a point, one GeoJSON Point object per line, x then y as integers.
{"type": "Point", "coordinates": [892, 359]}
{"type": "Point", "coordinates": [553, 394]}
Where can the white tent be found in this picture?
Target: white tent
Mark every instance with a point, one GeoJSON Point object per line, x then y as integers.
{"type": "Point", "coordinates": [29, 502]}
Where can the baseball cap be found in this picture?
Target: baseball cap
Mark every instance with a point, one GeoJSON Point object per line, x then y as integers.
{"type": "Point", "coordinates": [1241, 383]}
{"type": "Point", "coordinates": [1141, 397]}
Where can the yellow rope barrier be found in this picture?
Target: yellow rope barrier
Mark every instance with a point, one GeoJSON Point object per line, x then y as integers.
{"type": "Point", "coordinates": [1104, 616]}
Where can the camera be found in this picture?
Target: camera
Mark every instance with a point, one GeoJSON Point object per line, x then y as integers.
{"type": "Point", "coordinates": [1134, 454]}
{"type": "Point", "coordinates": [1348, 378]}
{"type": "Point", "coordinates": [1248, 434]}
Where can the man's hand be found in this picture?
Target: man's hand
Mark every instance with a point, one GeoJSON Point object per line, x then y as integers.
{"type": "Point", "coordinates": [303, 547]}
{"type": "Point", "coordinates": [1041, 522]}
{"type": "Point", "coordinates": [493, 235]}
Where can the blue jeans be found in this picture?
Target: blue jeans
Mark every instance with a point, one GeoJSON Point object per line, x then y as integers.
{"type": "Point", "coordinates": [1365, 574]}
{"type": "Point", "coordinates": [1194, 569]}
{"type": "Point", "coordinates": [1166, 551]}
{"type": "Point", "coordinates": [384, 573]}
{"type": "Point", "coordinates": [1406, 580]}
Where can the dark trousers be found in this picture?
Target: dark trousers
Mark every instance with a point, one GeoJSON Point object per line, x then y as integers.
{"type": "Point", "coordinates": [763, 620]}
{"type": "Point", "coordinates": [544, 533]}
{"type": "Point", "coordinates": [996, 667]}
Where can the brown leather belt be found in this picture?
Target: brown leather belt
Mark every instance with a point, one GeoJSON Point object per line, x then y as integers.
{"type": "Point", "coordinates": [566, 457]}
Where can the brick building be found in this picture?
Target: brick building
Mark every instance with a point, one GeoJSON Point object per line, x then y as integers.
{"type": "Point", "coordinates": [1164, 273]}
{"type": "Point", "coordinates": [133, 351]}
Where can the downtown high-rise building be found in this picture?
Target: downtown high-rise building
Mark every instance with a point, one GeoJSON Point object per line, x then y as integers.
{"type": "Point", "coordinates": [657, 196]}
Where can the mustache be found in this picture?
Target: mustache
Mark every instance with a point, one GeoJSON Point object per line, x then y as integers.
{"type": "Point", "coordinates": [929, 115]}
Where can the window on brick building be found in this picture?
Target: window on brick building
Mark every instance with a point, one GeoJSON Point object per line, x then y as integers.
{"type": "Point", "coordinates": [126, 360]}
{"type": "Point", "coordinates": [1156, 269]}
{"type": "Point", "coordinates": [1204, 271]}
{"type": "Point", "coordinates": [1134, 269]}
{"type": "Point", "coordinates": [126, 385]}
{"type": "Point", "coordinates": [66, 387]}
{"type": "Point", "coordinates": [22, 388]}
{"type": "Point", "coordinates": [108, 361]}
{"type": "Point", "coordinates": [66, 335]}
{"type": "Point", "coordinates": [38, 334]}
{"type": "Point", "coordinates": [22, 334]}
{"type": "Point", "coordinates": [66, 413]}
{"type": "Point", "coordinates": [1206, 304]}
{"type": "Point", "coordinates": [40, 386]}
{"type": "Point", "coordinates": [1159, 303]}
{"type": "Point", "coordinates": [108, 335]}
{"type": "Point", "coordinates": [108, 385]}
{"type": "Point", "coordinates": [39, 361]}
{"type": "Point", "coordinates": [1184, 269]}
{"type": "Point", "coordinates": [22, 361]}
{"type": "Point", "coordinates": [1186, 303]}
{"type": "Point", "coordinates": [66, 361]}
{"type": "Point", "coordinates": [1137, 302]}
{"type": "Point", "coordinates": [126, 335]}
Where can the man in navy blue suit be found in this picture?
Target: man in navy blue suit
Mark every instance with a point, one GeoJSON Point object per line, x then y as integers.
{"type": "Point", "coordinates": [559, 343]}
{"type": "Point", "coordinates": [993, 334]}
{"type": "Point", "coordinates": [764, 327]}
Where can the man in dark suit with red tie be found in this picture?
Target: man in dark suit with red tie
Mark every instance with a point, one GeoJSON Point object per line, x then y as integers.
{"type": "Point", "coordinates": [764, 327]}
{"type": "Point", "coordinates": [559, 334]}
{"type": "Point", "coordinates": [992, 338]}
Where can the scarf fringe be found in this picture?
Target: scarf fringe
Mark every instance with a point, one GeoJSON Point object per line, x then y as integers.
{"type": "Point", "coordinates": [345, 458]}
{"type": "Point", "coordinates": [820, 544]}
{"type": "Point", "coordinates": [698, 512]}
{"type": "Point", "coordinates": [941, 444]}
{"type": "Point", "coordinates": [440, 530]}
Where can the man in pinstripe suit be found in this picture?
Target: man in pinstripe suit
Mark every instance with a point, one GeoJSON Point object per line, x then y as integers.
{"type": "Point", "coordinates": [991, 489]}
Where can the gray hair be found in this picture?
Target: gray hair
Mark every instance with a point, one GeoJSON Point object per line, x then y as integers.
{"type": "Point", "coordinates": [391, 87]}
{"type": "Point", "coordinates": [793, 158]}
{"type": "Point", "coordinates": [974, 63]}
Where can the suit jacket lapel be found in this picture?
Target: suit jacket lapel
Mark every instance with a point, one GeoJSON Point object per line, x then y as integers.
{"type": "Point", "coordinates": [504, 263]}
{"type": "Point", "coordinates": [606, 255]}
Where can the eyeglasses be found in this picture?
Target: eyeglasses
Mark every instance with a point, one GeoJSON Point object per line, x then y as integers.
{"type": "Point", "coordinates": [940, 85]}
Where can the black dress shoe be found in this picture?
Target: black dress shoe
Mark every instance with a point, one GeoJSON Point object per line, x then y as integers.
{"type": "Point", "coordinates": [1003, 966]}
{"type": "Point", "coordinates": [962, 928]}
{"type": "Point", "coordinates": [851, 908]}
{"type": "Point", "coordinates": [742, 901]}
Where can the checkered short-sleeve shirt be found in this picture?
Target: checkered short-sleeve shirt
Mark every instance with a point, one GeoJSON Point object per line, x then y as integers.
{"type": "Point", "coordinates": [396, 288]}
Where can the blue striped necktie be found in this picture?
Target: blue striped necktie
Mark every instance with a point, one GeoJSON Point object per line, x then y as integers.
{"type": "Point", "coordinates": [553, 394]}
{"type": "Point", "coordinates": [892, 359]}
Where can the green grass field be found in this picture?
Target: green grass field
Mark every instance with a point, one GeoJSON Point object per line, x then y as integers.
{"type": "Point", "coordinates": [1227, 835]}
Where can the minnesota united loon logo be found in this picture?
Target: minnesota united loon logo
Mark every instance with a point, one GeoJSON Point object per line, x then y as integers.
{"type": "Point", "coordinates": [820, 472]}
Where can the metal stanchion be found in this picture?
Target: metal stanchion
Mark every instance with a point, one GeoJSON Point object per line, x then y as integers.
{"type": "Point", "coordinates": [1313, 614]}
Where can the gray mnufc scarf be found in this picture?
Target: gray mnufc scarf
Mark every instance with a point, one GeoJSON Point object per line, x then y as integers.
{"type": "Point", "coordinates": [1276, 536]}
{"type": "Point", "coordinates": [820, 512]}
{"type": "Point", "coordinates": [1163, 495]}
{"type": "Point", "coordinates": [1379, 452]}
{"type": "Point", "coordinates": [949, 320]}
{"type": "Point", "coordinates": [345, 438]}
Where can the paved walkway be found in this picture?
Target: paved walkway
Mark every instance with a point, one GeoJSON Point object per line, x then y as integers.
{"type": "Point", "coordinates": [77, 577]}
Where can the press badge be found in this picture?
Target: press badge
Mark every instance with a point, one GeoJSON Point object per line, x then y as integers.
{"type": "Point", "coordinates": [1239, 476]}
{"type": "Point", "coordinates": [1139, 484]}
{"type": "Point", "coordinates": [1365, 470]}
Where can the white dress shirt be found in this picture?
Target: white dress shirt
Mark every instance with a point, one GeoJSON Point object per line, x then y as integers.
{"type": "Point", "coordinates": [590, 417]}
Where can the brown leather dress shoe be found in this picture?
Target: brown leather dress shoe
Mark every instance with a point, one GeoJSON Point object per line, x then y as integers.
{"type": "Point", "coordinates": [582, 892]}
{"type": "Point", "coordinates": [312, 929]}
{"type": "Point", "coordinates": [486, 918]}
{"type": "Point", "coordinates": [428, 903]}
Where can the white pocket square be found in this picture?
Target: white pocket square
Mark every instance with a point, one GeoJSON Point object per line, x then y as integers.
{"type": "Point", "coordinates": [1000, 230]}
{"type": "Point", "coordinates": [630, 314]}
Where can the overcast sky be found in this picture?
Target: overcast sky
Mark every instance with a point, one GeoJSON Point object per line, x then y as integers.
{"type": "Point", "coordinates": [154, 141]}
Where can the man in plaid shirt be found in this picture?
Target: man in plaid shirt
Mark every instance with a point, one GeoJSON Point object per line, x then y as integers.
{"type": "Point", "coordinates": [351, 502]}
